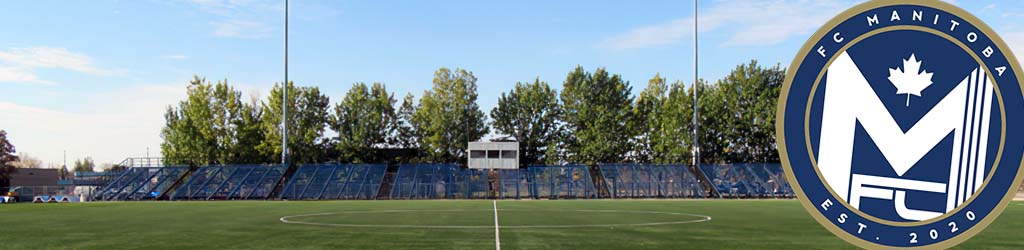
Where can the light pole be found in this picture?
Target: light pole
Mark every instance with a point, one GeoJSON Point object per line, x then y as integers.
{"type": "Point", "coordinates": [284, 93]}
{"type": "Point", "coordinates": [696, 90]}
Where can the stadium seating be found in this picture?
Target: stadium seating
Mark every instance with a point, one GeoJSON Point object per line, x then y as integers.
{"type": "Point", "coordinates": [141, 183]}
{"type": "Point", "coordinates": [449, 181]}
{"type": "Point", "coordinates": [439, 181]}
{"type": "Point", "coordinates": [650, 181]}
{"type": "Point", "coordinates": [334, 181]}
{"type": "Point", "coordinates": [226, 182]}
{"type": "Point", "coordinates": [771, 180]}
{"type": "Point", "coordinates": [559, 182]}
{"type": "Point", "coordinates": [748, 180]}
{"type": "Point", "coordinates": [470, 184]}
{"type": "Point", "coordinates": [513, 184]}
{"type": "Point", "coordinates": [444, 181]}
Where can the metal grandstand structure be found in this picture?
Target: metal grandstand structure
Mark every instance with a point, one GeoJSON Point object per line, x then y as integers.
{"type": "Point", "coordinates": [335, 181]}
{"type": "Point", "coordinates": [650, 181]}
{"type": "Point", "coordinates": [445, 181]}
{"type": "Point", "coordinates": [439, 181]}
{"type": "Point", "coordinates": [141, 183]}
{"type": "Point", "coordinates": [241, 182]}
{"type": "Point", "coordinates": [748, 180]}
{"type": "Point", "coordinates": [560, 182]}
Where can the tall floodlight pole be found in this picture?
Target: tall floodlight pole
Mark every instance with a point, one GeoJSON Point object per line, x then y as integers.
{"type": "Point", "coordinates": [696, 147]}
{"type": "Point", "coordinates": [284, 94]}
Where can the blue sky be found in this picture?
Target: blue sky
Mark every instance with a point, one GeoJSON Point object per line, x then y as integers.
{"type": "Point", "coordinates": [94, 77]}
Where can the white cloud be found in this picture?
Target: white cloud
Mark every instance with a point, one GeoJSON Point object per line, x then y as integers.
{"type": "Point", "coordinates": [109, 127]}
{"type": "Point", "coordinates": [22, 76]}
{"type": "Point", "coordinates": [652, 36]}
{"type": "Point", "coordinates": [1011, 14]}
{"type": "Point", "coordinates": [176, 57]}
{"type": "Point", "coordinates": [246, 19]}
{"type": "Point", "coordinates": [747, 23]}
{"type": "Point", "coordinates": [241, 29]}
{"type": "Point", "coordinates": [17, 65]}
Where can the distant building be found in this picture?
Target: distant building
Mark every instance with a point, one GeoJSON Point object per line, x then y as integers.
{"type": "Point", "coordinates": [35, 177]}
{"type": "Point", "coordinates": [30, 182]}
{"type": "Point", "coordinates": [494, 155]}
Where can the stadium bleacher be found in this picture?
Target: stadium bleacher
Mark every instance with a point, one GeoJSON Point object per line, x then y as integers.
{"type": "Point", "coordinates": [513, 184]}
{"type": "Point", "coordinates": [439, 181]}
{"type": "Point", "coordinates": [334, 181]}
{"type": "Point", "coordinates": [446, 181]}
{"type": "Point", "coordinates": [141, 183]}
{"type": "Point", "coordinates": [650, 181]}
{"type": "Point", "coordinates": [230, 182]}
{"type": "Point", "coordinates": [560, 182]}
{"type": "Point", "coordinates": [748, 180]}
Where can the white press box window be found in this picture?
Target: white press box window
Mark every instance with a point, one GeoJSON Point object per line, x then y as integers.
{"type": "Point", "coordinates": [494, 155]}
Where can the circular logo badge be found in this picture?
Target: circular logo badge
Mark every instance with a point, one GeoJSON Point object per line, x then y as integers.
{"type": "Point", "coordinates": [901, 125]}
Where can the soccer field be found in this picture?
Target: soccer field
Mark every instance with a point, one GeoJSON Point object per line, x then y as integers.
{"type": "Point", "coordinates": [439, 224]}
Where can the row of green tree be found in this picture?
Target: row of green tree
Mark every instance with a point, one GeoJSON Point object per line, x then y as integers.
{"type": "Point", "coordinates": [594, 119]}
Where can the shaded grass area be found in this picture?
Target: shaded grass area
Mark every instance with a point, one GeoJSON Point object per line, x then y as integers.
{"type": "Point", "coordinates": [736, 224]}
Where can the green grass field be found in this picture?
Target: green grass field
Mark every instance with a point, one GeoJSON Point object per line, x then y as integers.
{"type": "Point", "coordinates": [735, 224]}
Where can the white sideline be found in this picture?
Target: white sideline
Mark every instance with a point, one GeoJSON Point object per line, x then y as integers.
{"type": "Point", "coordinates": [497, 235]}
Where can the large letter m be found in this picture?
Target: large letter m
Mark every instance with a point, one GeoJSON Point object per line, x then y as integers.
{"type": "Point", "coordinates": [850, 99]}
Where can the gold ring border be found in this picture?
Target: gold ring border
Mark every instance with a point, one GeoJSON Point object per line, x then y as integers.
{"type": "Point", "coordinates": [787, 84]}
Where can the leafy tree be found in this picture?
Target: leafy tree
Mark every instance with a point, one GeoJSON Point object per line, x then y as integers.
{"type": "Point", "coordinates": [117, 168]}
{"type": "Point", "coordinates": [555, 152]}
{"type": "Point", "coordinates": [671, 143]}
{"type": "Point", "coordinates": [84, 165]}
{"type": "Point", "coordinates": [737, 115]}
{"type": "Point", "coordinates": [713, 118]}
{"type": "Point", "coordinates": [448, 117]}
{"type": "Point", "coordinates": [212, 125]}
{"type": "Point", "coordinates": [188, 134]}
{"type": "Point", "coordinates": [248, 133]}
{"type": "Point", "coordinates": [7, 159]}
{"type": "Point", "coordinates": [747, 98]}
{"type": "Point", "coordinates": [27, 161]}
{"type": "Point", "coordinates": [405, 133]}
{"type": "Point", "coordinates": [597, 112]}
{"type": "Point", "coordinates": [225, 107]}
{"type": "Point", "coordinates": [647, 123]}
{"type": "Point", "coordinates": [364, 121]}
{"type": "Point", "coordinates": [528, 114]}
{"type": "Point", "coordinates": [63, 172]}
{"type": "Point", "coordinates": [662, 118]}
{"type": "Point", "coordinates": [307, 119]}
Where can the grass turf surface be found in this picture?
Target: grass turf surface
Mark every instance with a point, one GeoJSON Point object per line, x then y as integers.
{"type": "Point", "coordinates": [736, 224]}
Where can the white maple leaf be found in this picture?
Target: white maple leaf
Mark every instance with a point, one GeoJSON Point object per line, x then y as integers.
{"type": "Point", "coordinates": [911, 80]}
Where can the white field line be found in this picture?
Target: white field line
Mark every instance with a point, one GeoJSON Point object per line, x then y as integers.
{"type": "Point", "coordinates": [701, 218]}
{"type": "Point", "coordinates": [497, 235]}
